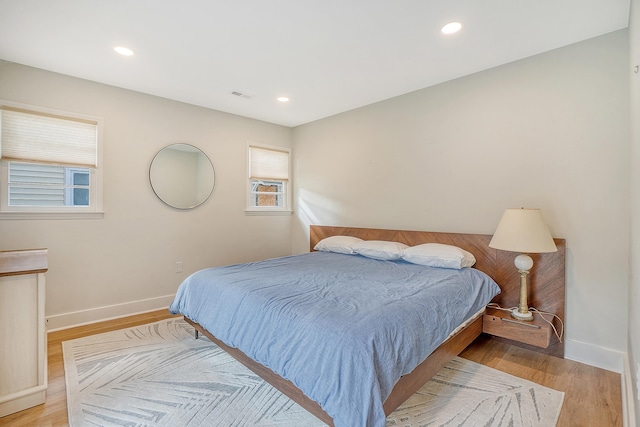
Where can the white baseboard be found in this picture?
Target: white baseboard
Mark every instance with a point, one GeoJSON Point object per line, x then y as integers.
{"type": "Point", "coordinates": [628, 396]}
{"type": "Point", "coordinates": [600, 357]}
{"type": "Point", "coordinates": [99, 314]}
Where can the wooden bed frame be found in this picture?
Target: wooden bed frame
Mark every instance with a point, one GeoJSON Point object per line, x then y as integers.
{"type": "Point", "coordinates": [548, 295]}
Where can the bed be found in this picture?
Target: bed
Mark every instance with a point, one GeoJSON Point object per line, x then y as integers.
{"type": "Point", "coordinates": [347, 371]}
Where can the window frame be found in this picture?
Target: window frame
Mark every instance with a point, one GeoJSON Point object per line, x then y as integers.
{"type": "Point", "coordinates": [286, 209]}
{"type": "Point", "coordinates": [95, 208]}
{"type": "Point", "coordinates": [279, 195]}
{"type": "Point", "coordinates": [71, 186]}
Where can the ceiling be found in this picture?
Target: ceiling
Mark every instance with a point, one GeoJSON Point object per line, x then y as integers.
{"type": "Point", "coordinates": [327, 56]}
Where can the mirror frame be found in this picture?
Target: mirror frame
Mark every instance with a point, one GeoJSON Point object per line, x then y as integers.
{"type": "Point", "coordinates": [176, 205]}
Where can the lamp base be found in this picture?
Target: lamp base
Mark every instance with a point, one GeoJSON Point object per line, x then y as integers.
{"type": "Point", "coordinates": [527, 316]}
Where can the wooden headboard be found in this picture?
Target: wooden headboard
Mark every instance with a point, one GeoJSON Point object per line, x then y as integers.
{"type": "Point", "coordinates": [545, 283]}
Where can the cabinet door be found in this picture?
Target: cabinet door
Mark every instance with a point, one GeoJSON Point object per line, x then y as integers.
{"type": "Point", "coordinates": [23, 341]}
{"type": "Point", "coordinates": [19, 346]}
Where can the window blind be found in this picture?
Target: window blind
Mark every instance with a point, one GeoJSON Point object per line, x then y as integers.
{"type": "Point", "coordinates": [40, 137]}
{"type": "Point", "coordinates": [266, 163]}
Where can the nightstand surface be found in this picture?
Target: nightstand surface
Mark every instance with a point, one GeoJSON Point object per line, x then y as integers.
{"type": "Point", "coordinates": [500, 323]}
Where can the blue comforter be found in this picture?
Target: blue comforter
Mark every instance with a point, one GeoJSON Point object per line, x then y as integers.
{"type": "Point", "coordinates": [342, 328]}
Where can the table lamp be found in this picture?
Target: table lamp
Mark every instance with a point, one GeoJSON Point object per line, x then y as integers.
{"type": "Point", "coordinates": [523, 230]}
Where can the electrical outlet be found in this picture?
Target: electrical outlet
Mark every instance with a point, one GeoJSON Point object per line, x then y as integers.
{"type": "Point", "coordinates": [178, 266]}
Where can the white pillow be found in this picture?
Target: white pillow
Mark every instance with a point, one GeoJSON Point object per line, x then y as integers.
{"type": "Point", "coordinates": [380, 249]}
{"type": "Point", "coordinates": [439, 255]}
{"type": "Point", "coordinates": [338, 244]}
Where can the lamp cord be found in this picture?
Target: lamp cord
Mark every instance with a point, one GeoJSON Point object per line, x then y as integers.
{"type": "Point", "coordinates": [541, 314]}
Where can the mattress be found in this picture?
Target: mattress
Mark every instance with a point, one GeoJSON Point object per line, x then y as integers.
{"type": "Point", "coordinates": [342, 328]}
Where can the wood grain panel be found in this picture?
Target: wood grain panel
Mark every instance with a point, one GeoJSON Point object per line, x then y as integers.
{"type": "Point", "coordinates": [23, 262]}
{"type": "Point", "coordinates": [500, 323]}
{"type": "Point", "coordinates": [545, 288]}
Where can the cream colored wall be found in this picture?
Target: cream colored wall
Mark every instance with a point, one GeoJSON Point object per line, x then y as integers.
{"type": "Point", "coordinates": [634, 284]}
{"type": "Point", "coordinates": [550, 131]}
{"type": "Point", "coordinates": [126, 261]}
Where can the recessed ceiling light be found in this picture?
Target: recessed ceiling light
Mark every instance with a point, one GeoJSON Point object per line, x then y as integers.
{"type": "Point", "coordinates": [451, 27]}
{"type": "Point", "coordinates": [283, 99]}
{"type": "Point", "coordinates": [123, 50]}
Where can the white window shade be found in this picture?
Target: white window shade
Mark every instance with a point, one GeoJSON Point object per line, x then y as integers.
{"type": "Point", "coordinates": [41, 137]}
{"type": "Point", "coordinates": [268, 163]}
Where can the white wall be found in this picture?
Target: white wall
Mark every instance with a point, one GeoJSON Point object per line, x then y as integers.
{"type": "Point", "coordinates": [126, 261]}
{"type": "Point", "coordinates": [550, 131]}
{"type": "Point", "coordinates": [634, 284]}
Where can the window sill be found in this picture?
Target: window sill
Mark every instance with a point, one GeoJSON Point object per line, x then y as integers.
{"type": "Point", "coordinates": [259, 212]}
{"type": "Point", "coordinates": [51, 215]}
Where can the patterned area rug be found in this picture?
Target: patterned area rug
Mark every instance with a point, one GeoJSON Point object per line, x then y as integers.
{"type": "Point", "coordinates": [159, 375]}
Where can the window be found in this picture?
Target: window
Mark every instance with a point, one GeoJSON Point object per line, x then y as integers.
{"type": "Point", "coordinates": [47, 185]}
{"type": "Point", "coordinates": [269, 180]}
{"type": "Point", "coordinates": [267, 193]}
{"type": "Point", "coordinates": [49, 163]}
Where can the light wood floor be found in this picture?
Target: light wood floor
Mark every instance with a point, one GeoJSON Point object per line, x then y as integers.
{"type": "Point", "coordinates": [592, 395]}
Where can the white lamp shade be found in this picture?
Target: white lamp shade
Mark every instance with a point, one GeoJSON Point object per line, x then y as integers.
{"type": "Point", "coordinates": [524, 231]}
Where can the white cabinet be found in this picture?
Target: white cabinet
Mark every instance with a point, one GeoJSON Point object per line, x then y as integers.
{"type": "Point", "coordinates": [23, 338]}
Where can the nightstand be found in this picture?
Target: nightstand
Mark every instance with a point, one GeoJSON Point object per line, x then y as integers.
{"type": "Point", "coordinates": [500, 323]}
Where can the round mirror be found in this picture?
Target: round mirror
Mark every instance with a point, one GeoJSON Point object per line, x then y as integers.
{"type": "Point", "coordinates": [182, 176]}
